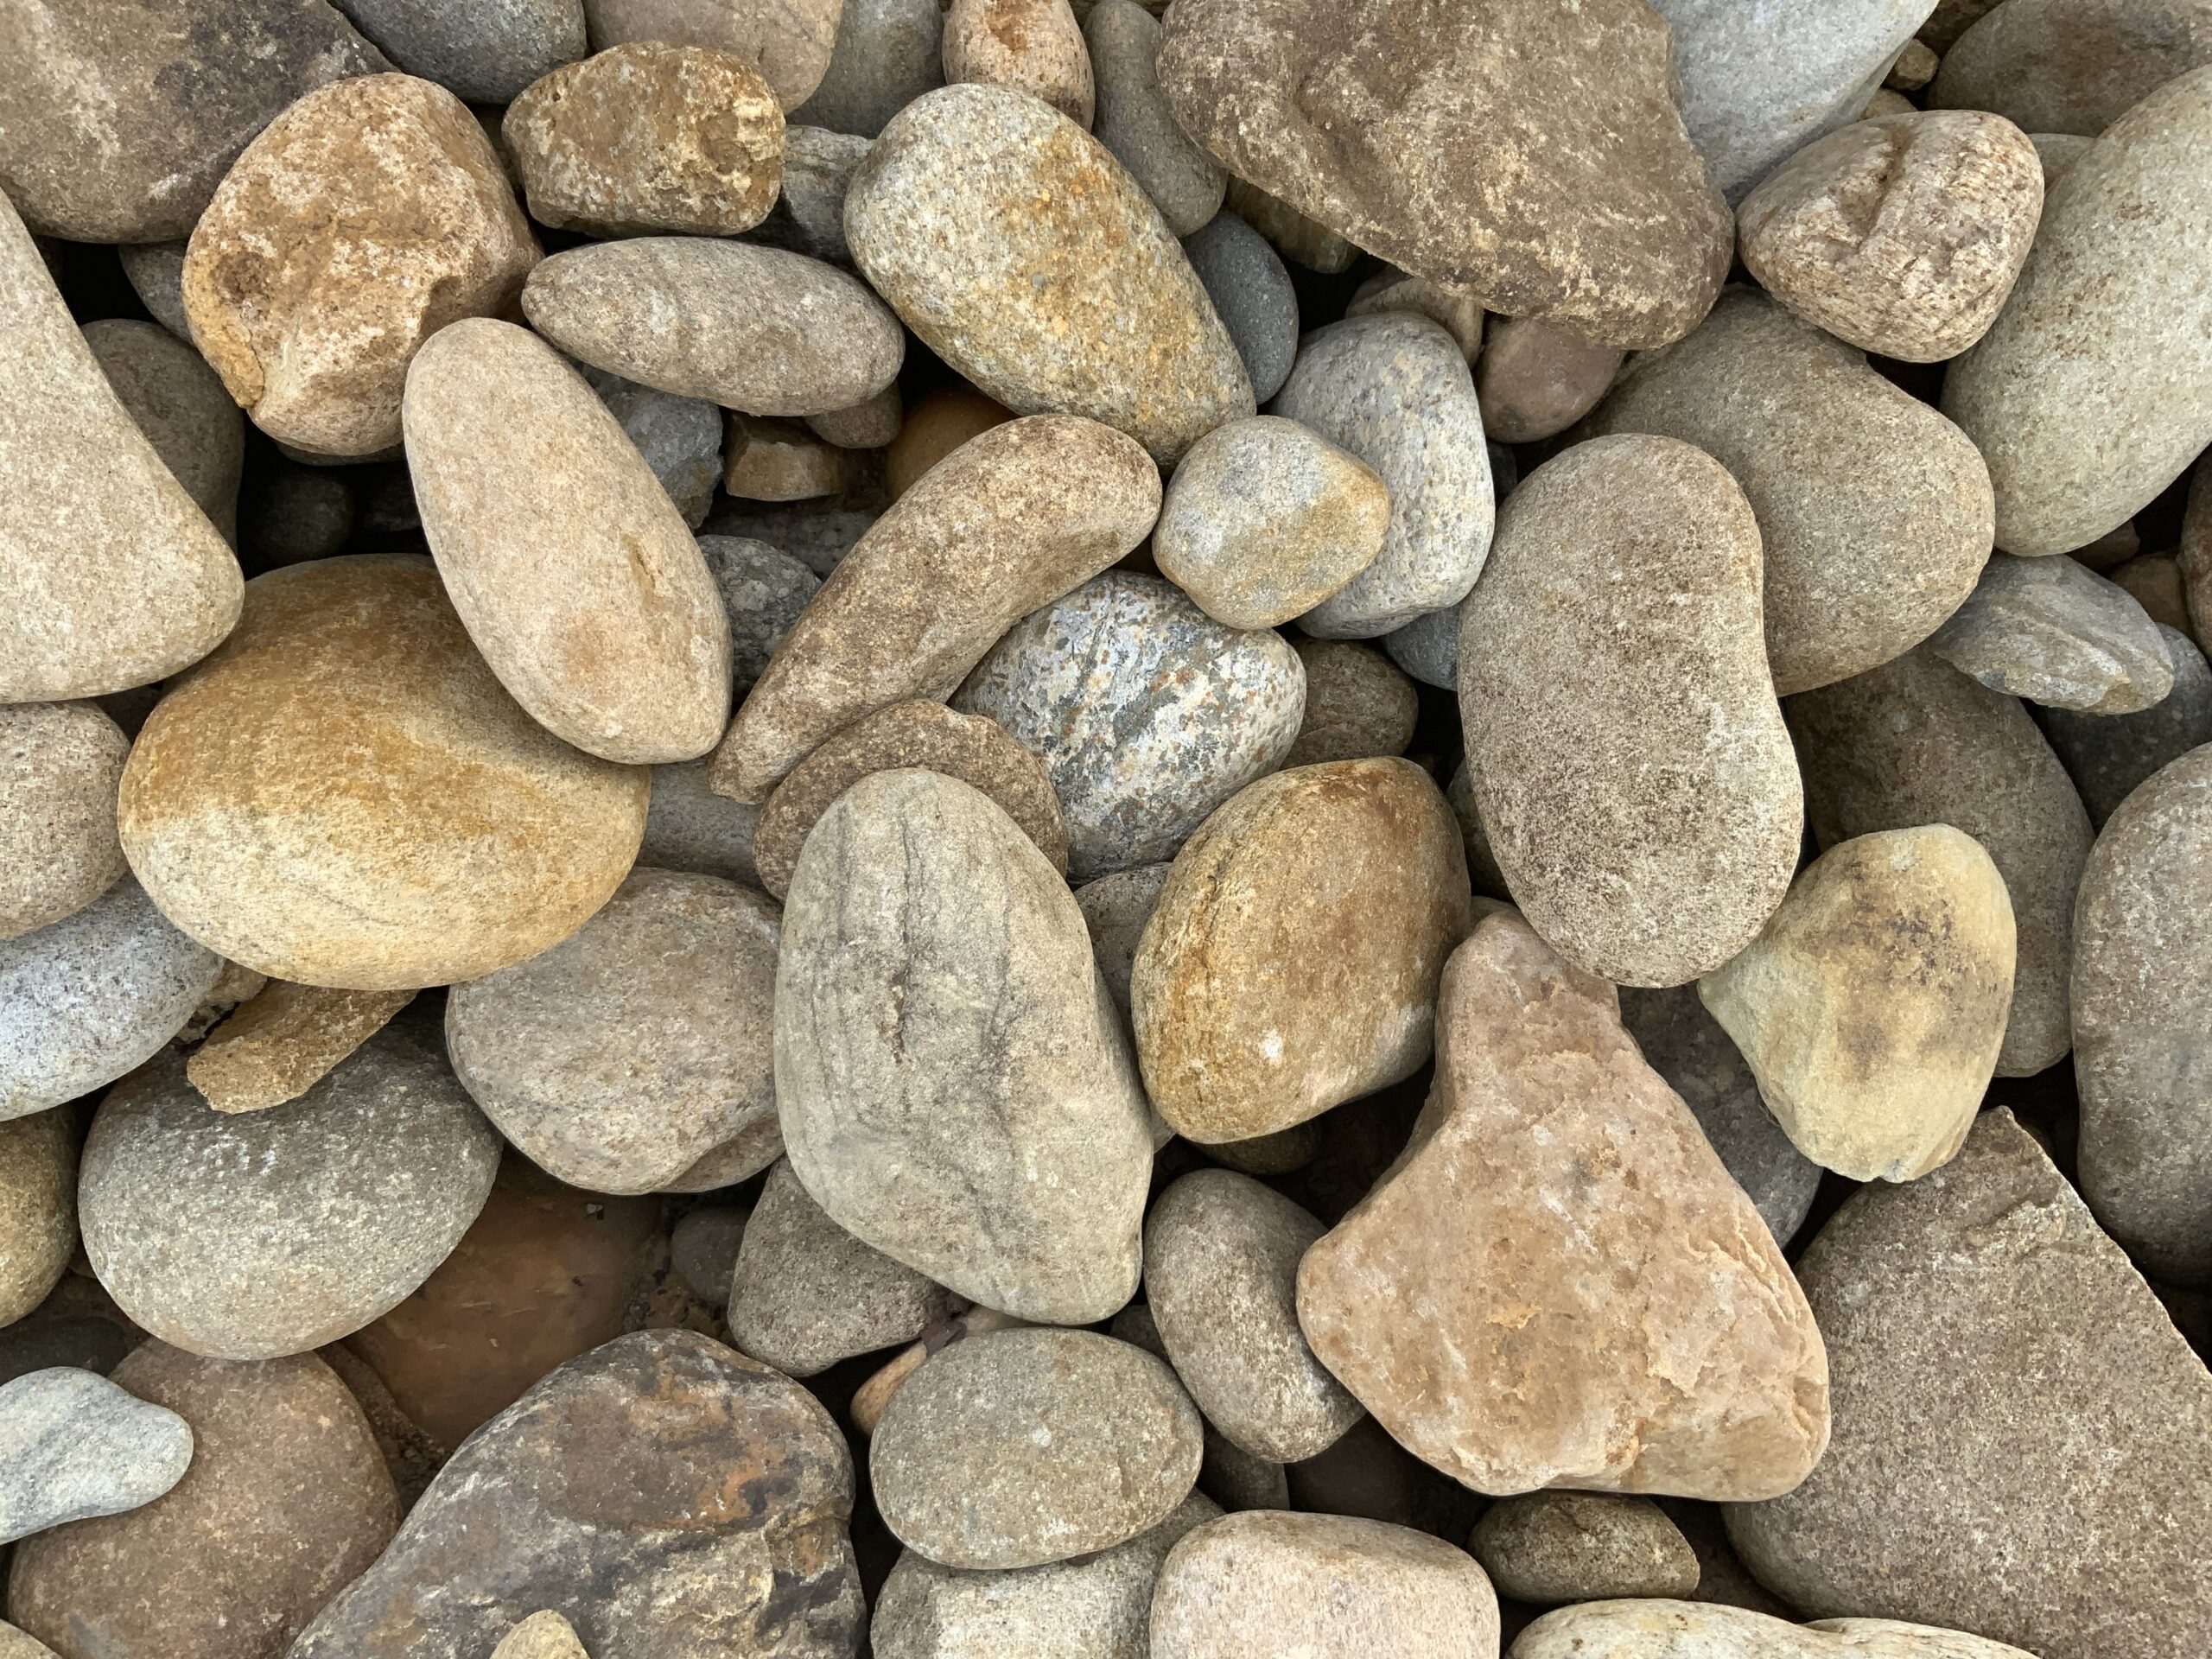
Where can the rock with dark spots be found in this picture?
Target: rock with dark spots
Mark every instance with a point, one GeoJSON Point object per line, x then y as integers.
{"type": "Point", "coordinates": [1253, 295]}
{"type": "Point", "coordinates": [689, 827]}
{"type": "Point", "coordinates": [2053, 632]}
{"type": "Point", "coordinates": [1134, 121]}
{"type": "Point", "coordinates": [485, 53]}
{"type": "Point", "coordinates": [60, 763]}
{"type": "Point", "coordinates": [1534, 381]}
{"type": "Point", "coordinates": [762, 589]}
{"type": "Point", "coordinates": [73, 1446]}
{"type": "Point", "coordinates": [809, 217]}
{"type": "Point", "coordinates": [2072, 66]}
{"type": "Point", "coordinates": [1115, 908]}
{"type": "Point", "coordinates": [789, 43]}
{"type": "Point", "coordinates": [179, 402]}
{"type": "Point", "coordinates": [889, 53]}
{"type": "Point", "coordinates": [1034, 47]}
{"type": "Point", "coordinates": [1553, 1547]}
{"type": "Point", "coordinates": [2108, 755]}
{"type": "Point", "coordinates": [664, 1494]}
{"type": "Point", "coordinates": [1357, 703]}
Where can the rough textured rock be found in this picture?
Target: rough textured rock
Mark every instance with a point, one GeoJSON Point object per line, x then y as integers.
{"type": "Point", "coordinates": [281, 1455]}
{"type": "Point", "coordinates": [486, 53]}
{"type": "Point", "coordinates": [363, 219]}
{"type": "Point", "coordinates": [666, 1494]}
{"type": "Point", "coordinates": [1393, 390]}
{"type": "Point", "coordinates": [1548, 1547]}
{"type": "Point", "coordinates": [681, 438]}
{"type": "Point", "coordinates": [38, 1208]}
{"type": "Point", "coordinates": [1135, 121]}
{"type": "Point", "coordinates": [2108, 755]}
{"type": "Point", "coordinates": [691, 828]}
{"type": "Point", "coordinates": [2092, 389]}
{"type": "Point", "coordinates": [917, 733]}
{"type": "Point", "coordinates": [1683, 1630]}
{"type": "Point", "coordinates": [1459, 312]}
{"type": "Point", "coordinates": [1558, 1284]}
{"type": "Point", "coordinates": [2072, 66]}
{"type": "Point", "coordinates": [789, 43]}
{"type": "Point", "coordinates": [1915, 741]}
{"type": "Point", "coordinates": [1004, 525]}
{"type": "Point", "coordinates": [1146, 713]}
{"type": "Point", "coordinates": [869, 424]}
{"type": "Point", "coordinates": [649, 137]}
{"type": "Point", "coordinates": [110, 575]}
{"type": "Point", "coordinates": [1091, 309]}
{"type": "Point", "coordinates": [1251, 293]}
{"type": "Point", "coordinates": [283, 1040]}
{"type": "Point", "coordinates": [809, 216]}
{"type": "Point", "coordinates": [1029, 1446]}
{"type": "Point", "coordinates": [14, 1644]}
{"type": "Point", "coordinates": [60, 763]}
{"type": "Point", "coordinates": [2000, 1371]}
{"type": "Point", "coordinates": [1428, 648]}
{"type": "Point", "coordinates": [240, 814]}
{"type": "Point", "coordinates": [542, 1636]}
{"type": "Point", "coordinates": [1291, 960]}
{"type": "Point", "coordinates": [179, 402]}
{"type": "Point", "coordinates": [1647, 831]}
{"type": "Point", "coordinates": [1534, 381]}
{"type": "Point", "coordinates": [889, 53]}
{"type": "Point", "coordinates": [1357, 704]}
{"type": "Point", "coordinates": [2055, 633]}
{"type": "Point", "coordinates": [763, 591]}
{"type": "Point", "coordinates": [1511, 151]}
{"type": "Point", "coordinates": [873, 1395]}
{"type": "Point", "coordinates": [73, 1446]}
{"type": "Point", "coordinates": [1026, 46]}
{"type": "Point", "coordinates": [1874, 512]}
{"type": "Point", "coordinates": [1115, 908]}
{"type": "Point", "coordinates": [121, 118]}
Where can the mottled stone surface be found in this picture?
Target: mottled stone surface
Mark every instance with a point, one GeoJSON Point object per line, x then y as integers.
{"type": "Point", "coordinates": [763, 591]}
{"type": "Point", "coordinates": [1558, 1284]}
{"type": "Point", "coordinates": [486, 53]}
{"type": "Point", "coordinates": [1090, 308]}
{"type": "Point", "coordinates": [1134, 121]}
{"type": "Point", "coordinates": [38, 1208]}
{"type": "Point", "coordinates": [179, 402]}
{"type": "Point", "coordinates": [691, 828]}
{"type": "Point", "coordinates": [14, 1644]}
{"type": "Point", "coordinates": [1357, 704]}
{"type": "Point", "coordinates": [681, 438]}
{"type": "Point", "coordinates": [2108, 755]}
{"type": "Point", "coordinates": [73, 1446]}
{"type": "Point", "coordinates": [779, 460]}
{"type": "Point", "coordinates": [1548, 1547]}
{"type": "Point", "coordinates": [1534, 381]}
{"type": "Point", "coordinates": [283, 1040]}
{"type": "Point", "coordinates": [542, 1636]}
{"type": "Point", "coordinates": [789, 43]}
{"type": "Point", "coordinates": [873, 1395]}
{"type": "Point", "coordinates": [60, 763]}
{"type": "Point", "coordinates": [1683, 1630]}
{"type": "Point", "coordinates": [1034, 47]}
{"type": "Point", "coordinates": [1252, 295]}
{"type": "Point", "coordinates": [663, 1493]}
{"type": "Point", "coordinates": [2055, 633]}
{"type": "Point", "coordinates": [809, 217]}
{"type": "Point", "coordinates": [889, 53]}
{"type": "Point", "coordinates": [702, 1248]}
{"type": "Point", "coordinates": [2072, 66]}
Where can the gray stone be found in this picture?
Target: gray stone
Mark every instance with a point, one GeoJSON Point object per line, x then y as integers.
{"type": "Point", "coordinates": [2057, 151]}
{"type": "Point", "coordinates": [1146, 712]}
{"type": "Point", "coordinates": [1482, 862]}
{"type": "Point", "coordinates": [155, 273]}
{"type": "Point", "coordinates": [1029, 1446]}
{"type": "Point", "coordinates": [764, 590]}
{"type": "Point", "coordinates": [1357, 703]}
{"type": "Point", "coordinates": [1134, 120]}
{"type": "Point", "coordinates": [1252, 294]}
{"type": "Point", "coordinates": [809, 216]}
{"type": "Point", "coordinates": [817, 534]}
{"type": "Point", "coordinates": [2071, 65]}
{"type": "Point", "coordinates": [888, 54]}
{"type": "Point", "coordinates": [1548, 1547]}
{"type": "Point", "coordinates": [1115, 908]}
{"type": "Point", "coordinates": [1428, 648]}
{"type": "Point", "coordinates": [702, 1248]}
{"type": "Point", "coordinates": [72, 1445]}
{"type": "Point", "coordinates": [681, 438]}
{"type": "Point", "coordinates": [180, 405]}
{"type": "Point", "coordinates": [788, 43]}
{"type": "Point", "coordinates": [689, 827]}
{"type": "Point", "coordinates": [1394, 389]}
{"type": "Point", "coordinates": [1686, 1629]}
{"type": "Point", "coordinates": [2053, 632]}
{"type": "Point", "coordinates": [60, 763]}
{"type": "Point", "coordinates": [291, 514]}
{"type": "Point", "coordinates": [2108, 755]}
{"type": "Point", "coordinates": [486, 52]}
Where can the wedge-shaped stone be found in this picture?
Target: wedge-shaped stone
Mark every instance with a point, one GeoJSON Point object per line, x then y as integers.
{"type": "Point", "coordinates": [2057, 633]}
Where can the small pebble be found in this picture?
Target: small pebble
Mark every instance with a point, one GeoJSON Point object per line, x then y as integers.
{"type": "Point", "coordinates": [1115, 908]}
{"type": "Point", "coordinates": [809, 217]}
{"type": "Point", "coordinates": [1135, 122]}
{"type": "Point", "coordinates": [889, 53]}
{"type": "Point", "coordinates": [763, 591]}
{"type": "Point", "coordinates": [789, 43]}
{"type": "Point", "coordinates": [1391, 289]}
{"type": "Point", "coordinates": [1026, 46]}
{"type": "Point", "coordinates": [290, 514]}
{"type": "Point", "coordinates": [779, 460]}
{"type": "Point", "coordinates": [703, 1247]}
{"type": "Point", "coordinates": [2055, 633]}
{"type": "Point", "coordinates": [1534, 381]}
{"type": "Point", "coordinates": [1253, 295]}
{"type": "Point", "coordinates": [38, 1208]}
{"type": "Point", "coordinates": [542, 1636]}
{"type": "Point", "coordinates": [1548, 1547]}
{"type": "Point", "coordinates": [1357, 704]}
{"type": "Point", "coordinates": [869, 424]}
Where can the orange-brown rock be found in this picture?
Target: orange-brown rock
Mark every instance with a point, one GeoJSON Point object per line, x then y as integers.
{"type": "Point", "coordinates": [282, 1041]}
{"type": "Point", "coordinates": [934, 428]}
{"type": "Point", "coordinates": [1033, 46]}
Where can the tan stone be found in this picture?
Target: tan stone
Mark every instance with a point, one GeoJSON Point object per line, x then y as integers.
{"type": "Point", "coordinates": [1534, 381]}
{"type": "Point", "coordinates": [179, 402]}
{"type": "Point", "coordinates": [1033, 46]}
{"type": "Point", "coordinates": [768, 460]}
{"type": "Point", "coordinates": [933, 428]}
{"type": "Point", "coordinates": [542, 1636]}
{"type": "Point", "coordinates": [1559, 1284]}
{"type": "Point", "coordinates": [281, 1042]}
{"type": "Point", "coordinates": [38, 1208]}
{"type": "Point", "coordinates": [868, 424]}
{"type": "Point", "coordinates": [788, 43]}
{"type": "Point", "coordinates": [60, 763]}
{"type": "Point", "coordinates": [1359, 703]}
{"type": "Point", "coordinates": [1292, 960]}
{"type": "Point", "coordinates": [873, 1395]}
{"type": "Point", "coordinates": [1392, 289]}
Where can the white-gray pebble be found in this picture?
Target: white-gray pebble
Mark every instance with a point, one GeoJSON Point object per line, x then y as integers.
{"type": "Point", "coordinates": [72, 1445]}
{"type": "Point", "coordinates": [764, 590]}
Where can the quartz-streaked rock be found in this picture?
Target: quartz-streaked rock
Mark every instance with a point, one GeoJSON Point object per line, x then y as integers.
{"type": "Point", "coordinates": [73, 1446]}
{"type": "Point", "coordinates": [2053, 632]}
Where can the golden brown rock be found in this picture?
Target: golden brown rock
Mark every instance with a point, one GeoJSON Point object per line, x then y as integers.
{"type": "Point", "coordinates": [933, 428]}
{"type": "Point", "coordinates": [1033, 46]}
{"type": "Point", "coordinates": [542, 1636]}
{"type": "Point", "coordinates": [283, 1040]}
{"type": "Point", "coordinates": [38, 1207]}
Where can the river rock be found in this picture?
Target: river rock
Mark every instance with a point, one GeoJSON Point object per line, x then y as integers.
{"type": "Point", "coordinates": [789, 43]}
{"type": "Point", "coordinates": [38, 1208]}
{"type": "Point", "coordinates": [809, 217]}
{"type": "Point", "coordinates": [1915, 741]}
{"type": "Point", "coordinates": [1872, 1005]}
{"type": "Point", "coordinates": [691, 828]}
{"type": "Point", "coordinates": [280, 1454]}
{"type": "Point", "coordinates": [1357, 704]}
{"type": "Point", "coordinates": [681, 438]}
{"type": "Point", "coordinates": [763, 591]}
{"type": "Point", "coordinates": [1558, 1284]}
{"type": "Point", "coordinates": [1291, 960]}
{"type": "Point", "coordinates": [1459, 312]}
{"type": "Point", "coordinates": [1647, 831]}
{"type": "Point", "coordinates": [1252, 295]}
{"type": "Point", "coordinates": [2072, 66]}
{"type": "Point", "coordinates": [72, 1445]}
{"type": "Point", "coordinates": [542, 1636]}
{"type": "Point", "coordinates": [663, 1493]}
{"type": "Point", "coordinates": [1115, 908]}
{"type": "Point", "coordinates": [1524, 202]}
{"type": "Point", "coordinates": [477, 840]}
{"type": "Point", "coordinates": [155, 273]}
{"type": "Point", "coordinates": [2055, 633]}
{"type": "Point", "coordinates": [1428, 648]}
{"type": "Point", "coordinates": [1146, 713]}
{"type": "Point", "coordinates": [1291, 233]}
{"type": "Point", "coordinates": [1026, 46]}
{"type": "Point", "coordinates": [889, 53]}
{"type": "Point", "coordinates": [60, 763]}
{"type": "Point", "coordinates": [2108, 755]}
{"type": "Point", "coordinates": [869, 424]}
{"type": "Point", "coordinates": [1548, 1547]}
{"type": "Point", "coordinates": [1134, 121]}
{"type": "Point", "coordinates": [1090, 310]}
{"type": "Point", "coordinates": [873, 1395]}
{"type": "Point", "coordinates": [291, 513]}
{"type": "Point", "coordinates": [1995, 1355]}
{"type": "Point", "coordinates": [1534, 381]}
{"type": "Point", "coordinates": [1874, 512]}
{"type": "Point", "coordinates": [179, 402]}
{"type": "Point", "coordinates": [1393, 390]}
{"type": "Point", "coordinates": [283, 1040]}
{"type": "Point", "coordinates": [1007, 523]}
{"type": "Point", "coordinates": [486, 53]}
{"type": "Point", "coordinates": [362, 221]}
{"type": "Point", "coordinates": [767, 460]}
{"type": "Point", "coordinates": [1683, 1630]}
{"type": "Point", "coordinates": [2156, 582]}
{"type": "Point", "coordinates": [702, 1248]}
{"type": "Point", "coordinates": [917, 733]}
{"type": "Point", "coordinates": [110, 575]}
{"type": "Point", "coordinates": [2092, 389]}
{"type": "Point", "coordinates": [1029, 1446]}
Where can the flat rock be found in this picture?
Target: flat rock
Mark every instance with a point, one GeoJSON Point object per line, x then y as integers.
{"type": "Point", "coordinates": [1534, 381]}
{"type": "Point", "coordinates": [889, 53]}
{"type": "Point", "coordinates": [1291, 961]}
{"type": "Point", "coordinates": [283, 1040]}
{"type": "Point", "coordinates": [542, 1636]}
{"type": "Point", "coordinates": [1026, 46]}
{"type": "Point", "coordinates": [486, 53]}
{"type": "Point", "coordinates": [1252, 295]}
{"type": "Point", "coordinates": [1996, 1360]}
{"type": "Point", "coordinates": [1357, 704]}
{"type": "Point", "coordinates": [663, 1493]}
{"type": "Point", "coordinates": [38, 1208]}
{"type": "Point", "coordinates": [360, 222]}
{"type": "Point", "coordinates": [1874, 512]}
{"type": "Point", "coordinates": [917, 733]}
{"type": "Point", "coordinates": [2055, 633]}
{"type": "Point", "coordinates": [1146, 712]}
{"type": "Point", "coordinates": [2108, 755]}
{"type": "Point", "coordinates": [72, 1445]}
{"type": "Point", "coordinates": [789, 43]}
{"type": "Point", "coordinates": [1115, 908]}
{"type": "Point", "coordinates": [1646, 830]}
{"type": "Point", "coordinates": [179, 402]}
{"type": "Point", "coordinates": [1014, 519]}
{"type": "Point", "coordinates": [1029, 1446]}
{"type": "Point", "coordinates": [2072, 66]}
{"type": "Point", "coordinates": [281, 1454]}
{"type": "Point", "coordinates": [763, 591]}
{"type": "Point", "coordinates": [60, 763]}
{"type": "Point", "coordinates": [1683, 1630]}
{"type": "Point", "coordinates": [1558, 1284]}
{"type": "Point", "coordinates": [1089, 310]}
{"type": "Point", "coordinates": [479, 838]}
{"type": "Point", "coordinates": [681, 438]}
{"type": "Point", "coordinates": [1915, 741]}
{"type": "Point", "coordinates": [1134, 121]}
{"type": "Point", "coordinates": [1548, 1547]}
{"type": "Point", "coordinates": [1511, 151]}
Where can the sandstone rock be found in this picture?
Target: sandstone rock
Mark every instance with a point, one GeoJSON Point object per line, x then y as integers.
{"type": "Point", "coordinates": [2072, 66]}
{"type": "Point", "coordinates": [474, 838]}
{"type": "Point", "coordinates": [809, 217]}
{"type": "Point", "coordinates": [1548, 1547]}
{"type": "Point", "coordinates": [1029, 1446]}
{"type": "Point", "coordinates": [779, 460]}
{"type": "Point", "coordinates": [2108, 755]}
{"type": "Point", "coordinates": [763, 591]}
{"type": "Point", "coordinates": [1115, 908]}
{"type": "Point", "coordinates": [1291, 961]}
{"type": "Point", "coordinates": [38, 1208]}
{"type": "Point", "coordinates": [486, 53]}
{"type": "Point", "coordinates": [14, 1644]}
{"type": "Point", "coordinates": [1558, 1284]}
{"type": "Point", "coordinates": [1534, 381]}
{"type": "Point", "coordinates": [2056, 633]}
{"type": "Point", "coordinates": [990, 1133]}
{"type": "Point", "coordinates": [917, 733]}
{"type": "Point", "coordinates": [542, 1636]}
{"type": "Point", "coordinates": [889, 53]}
{"type": "Point", "coordinates": [665, 1494]}
{"type": "Point", "coordinates": [1026, 46]}
{"type": "Point", "coordinates": [939, 424]}
{"type": "Point", "coordinates": [1135, 121]}
{"type": "Point", "coordinates": [179, 402]}
{"type": "Point", "coordinates": [361, 221]}
{"type": "Point", "coordinates": [1357, 704]}
{"type": "Point", "coordinates": [284, 1039]}
{"type": "Point", "coordinates": [1251, 293]}
{"type": "Point", "coordinates": [59, 763]}
{"type": "Point", "coordinates": [1681, 1630]}
{"type": "Point", "coordinates": [1006, 525]}
{"type": "Point", "coordinates": [789, 43]}
{"type": "Point", "coordinates": [681, 438]}
{"type": "Point", "coordinates": [73, 1446]}
{"type": "Point", "coordinates": [2155, 581]}
{"type": "Point", "coordinates": [691, 828]}
{"type": "Point", "coordinates": [1995, 1357]}
{"type": "Point", "coordinates": [1523, 201]}
{"type": "Point", "coordinates": [1089, 309]}
{"type": "Point", "coordinates": [280, 1455]}
{"type": "Point", "coordinates": [1874, 512]}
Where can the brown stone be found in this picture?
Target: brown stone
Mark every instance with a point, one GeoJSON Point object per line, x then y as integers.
{"type": "Point", "coordinates": [933, 428]}
{"type": "Point", "coordinates": [1359, 703]}
{"type": "Point", "coordinates": [281, 1042]}
{"type": "Point", "coordinates": [1548, 1547]}
{"type": "Point", "coordinates": [1559, 1284]}
{"type": "Point", "coordinates": [1534, 381]}
{"type": "Point", "coordinates": [2158, 583]}
{"type": "Point", "coordinates": [768, 460]}
{"type": "Point", "coordinates": [1033, 46]}
{"type": "Point", "coordinates": [788, 43]}
{"type": "Point", "coordinates": [38, 1208]}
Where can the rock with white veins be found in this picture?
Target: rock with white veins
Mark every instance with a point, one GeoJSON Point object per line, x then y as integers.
{"type": "Point", "coordinates": [2057, 633]}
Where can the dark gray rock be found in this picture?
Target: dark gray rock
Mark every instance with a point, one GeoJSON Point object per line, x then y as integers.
{"type": "Point", "coordinates": [485, 52]}
{"type": "Point", "coordinates": [888, 54]}
{"type": "Point", "coordinates": [681, 438]}
{"type": "Point", "coordinates": [763, 590]}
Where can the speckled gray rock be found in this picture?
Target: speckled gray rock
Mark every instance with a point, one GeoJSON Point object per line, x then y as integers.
{"type": "Point", "coordinates": [2071, 65]}
{"type": "Point", "coordinates": [888, 54]}
{"type": "Point", "coordinates": [1686, 1045]}
{"type": "Point", "coordinates": [155, 273]}
{"type": "Point", "coordinates": [73, 1445]}
{"type": "Point", "coordinates": [681, 438]}
{"type": "Point", "coordinates": [689, 827]}
{"type": "Point", "coordinates": [702, 1248]}
{"type": "Point", "coordinates": [1428, 648]}
{"type": "Point", "coordinates": [817, 534]}
{"type": "Point", "coordinates": [1029, 1446]}
{"type": "Point", "coordinates": [1456, 309]}
{"type": "Point", "coordinates": [1089, 309]}
{"type": "Point", "coordinates": [1915, 741]}
{"type": "Point", "coordinates": [764, 590]}
{"type": "Point", "coordinates": [2108, 755]}
{"type": "Point", "coordinates": [993, 1134]}
{"type": "Point", "coordinates": [60, 763]}
{"type": "Point", "coordinates": [85, 999]}
{"type": "Point", "coordinates": [180, 405]}
{"type": "Point", "coordinates": [2092, 389]}
{"type": "Point", "coordinates": [1548, 1547]}
{"type": "Point", "coordinates": [1115, 908]}
{"type": "Point", "coordinates": [2055, 633]}
{"type": "Point", "coordinates": [788, 43]}
{"type": "Point", "coordinates": [1874, 512]}
{"type": "Point", "coordinates": [1357, 703]}
{"type": "Point", "coordinates": [1993, 1358]}
{"type": "Point", "coordinates": [484, 53]}
{"type": "Point", "coordinates": [38, 1213]}
{"type": "Point", "coordinates": [1133, 121]}
{"type": "Point", "coordinates": [1252, 295]}
{"type": "Point", "coordinates": [809, 217]}
{"type": "Point", "coordinates": [247, 1236]}
{"type": "Point", "coordinates": [1146, 712]}
{"type": "Point", "coordinates": [805, 1294]}
{"type": "Point", "coordinates": [638, 1047]}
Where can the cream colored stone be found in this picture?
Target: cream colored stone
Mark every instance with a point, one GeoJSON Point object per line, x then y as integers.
{"type": "Point", "coordinates": [1032, 46]}
{"type": "Point", "coordinates": [542, 1636]}
{"type": "Point", "coordinates": [283, 1040]}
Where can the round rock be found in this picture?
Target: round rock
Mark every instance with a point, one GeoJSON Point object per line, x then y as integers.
{"type": "Point", "coordinates": [1548, 1547]}
{"type": "Point", "coordinates": [1134, 121]}
{"type": "Point", "coordinates": [38, 1208]}
{"type": "Point", "coordinates": [73, 1446]}
{"type": "Point", "coordinates": [60, 767]}
{"type": "Point", "coordinates": [789, 43]}
{"type": "Point", "coordinates": [681, 438]}
{"type": "Point", "coordinates": [1534, 381]}
{"type": "Point", "coordinates": [1252, 294]}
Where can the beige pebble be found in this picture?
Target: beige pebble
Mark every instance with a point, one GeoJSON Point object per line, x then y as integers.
{"type": "Point", "coordinates": [765, 460]}
{"type": "Point", "coordinates": [542, 1636]}
{"type": "Point", "coordinates": [59, 765]}
{"type": "Point", "coordinates": [281, 1042]}
{"type": "Point", "coordinates": [1032, 46]}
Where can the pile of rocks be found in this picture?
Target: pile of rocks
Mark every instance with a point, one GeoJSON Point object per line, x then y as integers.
{"type": "Point", "coordinates": [736, 924]}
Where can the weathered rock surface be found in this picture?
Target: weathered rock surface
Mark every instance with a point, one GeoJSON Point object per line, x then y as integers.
{"type": "Point", "coordinates": [60, 763]}
{"type": "Point", "coordinates": [1457, 310]}
{"type": "Point", "coordinates": [2055, 633]}
{"type": "Point", "coordinates": [1252, 295]}
{"type": "Point", "coordinates": [809, 217]}
{"type": "Point", "coordinates": [1534, 381]}
{"type": "Point", "coordinates": [487, 53]}
{"type": "Point", "coordinates": [1548, 1547]}
{"type": "Point", "coordinates": [283, 1040]}
{"type": "Point", "coordinates": [691, 828]}
{"type": "Point", "coordinates": [1357, 703]}
{"type": "Point", "coordinates": [73, 1446]}
{"type": "Point", "coordinates": [889, 53]}
{"type": "Point", "coordinates": [38, 1208]}
{"type": "Point", "coordinates": [681, 438]}
{"type": "Point", "coordinates": [763, 591]}
{"type": "Point", "coordinates": [1683, 1630]}
{"type": "Point", "coordinates": [2072, 66]}
{"type": "Point", "coordinates": [1135, 121]}
{"type": "Point", "coordinates": [542, 1636]}
{"type": "Point", "coordinates": [1034, 47]}
{"type": "Point", "coordinates": [789, 43]}
{"type": "Point", "coordinates": [179, 402]}
{"type": "Point", "coordinates": [2108, 755]}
